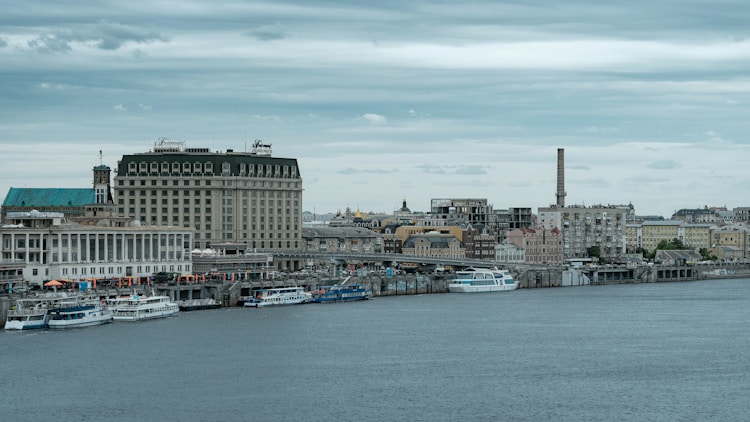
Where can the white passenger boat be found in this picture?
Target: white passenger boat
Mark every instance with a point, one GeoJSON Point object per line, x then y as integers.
{"type": "Point", "coordinates": [32, 313]}
{"type": "Point", "coordinates": [278, 296]}
{"type": "Point", "coordinates": [78, 314]}
{"type": "Point", "coordinates": [477, 280]}
{"type": "Point", "coordinates": [137, 308]}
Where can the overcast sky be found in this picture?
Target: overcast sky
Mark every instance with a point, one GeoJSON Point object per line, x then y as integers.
{"type": "Point", "coordinates": [385, 100]}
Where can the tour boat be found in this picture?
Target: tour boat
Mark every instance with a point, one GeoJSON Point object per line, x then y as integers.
{"type": "Point", "coordinates": [77, 314]}
{"type": "Point", "coordinates": [32, 313]}
{"type": "Point", "coordinates": [341, 293]}
{"type": "Point", "coordinates": [477, 280]}
{"type": "Point", "coordinates": [277, 296]}
{"type": "Point", "coordinates": [137, 308]}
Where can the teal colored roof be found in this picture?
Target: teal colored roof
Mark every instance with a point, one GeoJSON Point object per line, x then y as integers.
{"type": "Point", "coordinates": [49, 197]}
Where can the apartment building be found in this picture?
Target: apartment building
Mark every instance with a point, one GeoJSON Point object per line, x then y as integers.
{"type": "Point", "coordinates": [541, 246]}
{"type": "Point", "coordinates": [735, 235]}
{"type": "Point", "coordinates": [653, 232]}
{"type": "Point", "coordinates": [584, 227]}
{"type": "Point", "coordinates": [471, 210]}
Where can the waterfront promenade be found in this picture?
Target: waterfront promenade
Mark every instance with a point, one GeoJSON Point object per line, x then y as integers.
{"type": "Point", "coordinates": [229, 293]}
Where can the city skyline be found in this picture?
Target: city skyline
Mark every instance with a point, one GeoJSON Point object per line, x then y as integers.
{"type": "Point", "coordinates": [380, 102]}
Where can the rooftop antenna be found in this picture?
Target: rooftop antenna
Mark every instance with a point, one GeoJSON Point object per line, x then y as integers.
{"type": "Point", "coordinates": [101, 161]}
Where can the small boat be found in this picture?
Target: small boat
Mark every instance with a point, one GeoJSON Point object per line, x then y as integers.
{"type": "Point", "coordinates": [77, 314]}
{"type": "Point", "coordinates": [32, 313]}
{"type": "Point", "coordinates": [341, 293]}
{"type": "Point", "coordinates": [478, 280]}
{"type": "Point", "coordinates": [198, 304]}
{"type": "Point", "coordinates": [277, 296]}
{"type": "Point", "coordinates": [137, 308]}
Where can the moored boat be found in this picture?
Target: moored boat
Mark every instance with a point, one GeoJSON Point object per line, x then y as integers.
{"type": "Point", "coordinates": [277, 296]}
{"type": "Point", "coordinates": [341, 293]}
{"type": "Point", "coordinates": [478, 280]}
{"type": "Point", "coordinates": [77, 314]}
{"type": "Point", "coordinates": [32, 313]}
{"type": "Point", "coordinates": [198, 304]}
{"type": "Point", "coordinates": [137, 308]}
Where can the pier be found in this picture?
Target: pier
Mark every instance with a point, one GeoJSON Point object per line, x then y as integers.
{"type": "Point", "coordinates": [228, 292]}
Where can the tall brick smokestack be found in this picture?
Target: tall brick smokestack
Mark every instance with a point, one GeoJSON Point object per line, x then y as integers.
{"type": "Point", "coordinates": [560, 177]}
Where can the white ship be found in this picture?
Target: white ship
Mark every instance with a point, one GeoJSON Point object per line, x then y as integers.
{"type": "Point", "coordinates": [478, 280]}
{"type": "Point", "coordinates": [137, 308]}
{"type": "Point", "coordinates": [278, 296]}
{"type": "Point", "coordinates": [77, 314]}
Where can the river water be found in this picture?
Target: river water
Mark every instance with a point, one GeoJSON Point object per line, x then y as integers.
{"type": "Point", "coordinates": [666, 352]}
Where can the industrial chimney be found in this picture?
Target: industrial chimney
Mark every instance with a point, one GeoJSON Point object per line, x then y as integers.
{"type": "Point", "coordinates": [560, 177]}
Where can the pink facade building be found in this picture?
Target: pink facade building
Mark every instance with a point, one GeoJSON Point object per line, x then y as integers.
{"type": "Point", "coordinates": [542, 246]}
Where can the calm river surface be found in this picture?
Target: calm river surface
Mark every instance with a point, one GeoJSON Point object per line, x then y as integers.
{"type": "Point", "coordinates": [656, 352]}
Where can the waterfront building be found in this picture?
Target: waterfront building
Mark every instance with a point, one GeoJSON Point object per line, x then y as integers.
{"type": "Point", "coordinates": [231, 196]}
{"type": "Point", "coordinates": [50, 247]}
{"type": "Point", "coordinates": [70, 201]}
{"type": "Point", "coordinates": [358, 240]}
{"type": "Point", "coordinates": [471, 210]}
{"type": "Point", "coordinates": [584, 227]}
{"type": "Point", "coordinates": [478, 241]}
{"type": "Point", "coordinates": [733, 237]}
{"type": "Point", "coordinates": [11, 274]}
{"type": "Point", "coordinates": [434, 245]}
{"type": "Point", "coordinates": [699, 215]}
{"type": "Point", "coordinates": [541, 246]}
{"type": "Point", "coordinates": [509, 253]}
{"type": "Point", "coordinates": [391, 241]}
{"type": "Point", "coordinates": [633, 237]}
{"type": "Point", "coordinates": [232, 261]}
{"type": "Point", "coordinates": [520, 218]}
{"type": "Point", "coordinates": [742, 214]}
{"type": "Point", "coordinates": [653, 232]}
{"type": "Point", "coordinates": [696, 236]}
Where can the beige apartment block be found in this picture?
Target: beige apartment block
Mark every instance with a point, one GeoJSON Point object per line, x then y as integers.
{"type": "Point", "coordinates": [584, 227]}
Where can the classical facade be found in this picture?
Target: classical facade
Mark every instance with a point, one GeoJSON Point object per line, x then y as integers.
{"type": "Point", "coordinates": [247, 197]}
{"type": "Point", "coordinates": [509, 253]}
{"type": "Point", "coordinates": [52, 248]}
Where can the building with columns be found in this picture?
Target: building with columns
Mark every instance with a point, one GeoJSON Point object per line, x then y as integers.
{"type": "Point", "coordinates": [50, 247]}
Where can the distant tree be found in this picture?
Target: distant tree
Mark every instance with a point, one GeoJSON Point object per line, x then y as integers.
{"type": "Point", "coordinates": [707, 255]}
{"type": "Point", "coordinates": [669, 245]}
{"type": "Point", "coordinates": [647, 255]}
{"type": "Point", "coordinates": [594, 252]}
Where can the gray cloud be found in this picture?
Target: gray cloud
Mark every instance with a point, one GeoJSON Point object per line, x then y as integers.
{"type": "Point", "coordinates": [352, 171]}
{"type": "Point", "coordinates": [664, 165]}
{"type": "Point", "coordinates": [268, 33]}
{"type": "Point", "coordinates": [352, 88]}
{"type": "Point", "coordinates": [103, 35]}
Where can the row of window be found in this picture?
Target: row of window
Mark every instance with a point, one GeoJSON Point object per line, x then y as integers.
{"type": "Point", "coordinates": [252, 170]}
{"type": "Point", "coordinates": [207, 183]}
{"type": "Point", "coordinates": [111, 271]}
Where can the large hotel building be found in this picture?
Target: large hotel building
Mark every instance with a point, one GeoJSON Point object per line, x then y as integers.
{"type": "Point", "coordinates": [242, 197]}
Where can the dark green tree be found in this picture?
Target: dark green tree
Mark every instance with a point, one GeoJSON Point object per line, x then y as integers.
{"type": "Point", "coordinates": [594, 252]}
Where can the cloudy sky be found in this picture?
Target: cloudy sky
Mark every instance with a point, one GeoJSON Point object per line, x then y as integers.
{"type": "Point", "coordinates": [385, 100]}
